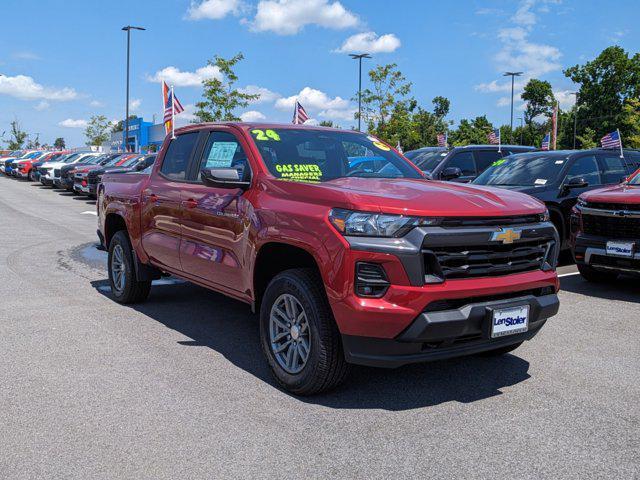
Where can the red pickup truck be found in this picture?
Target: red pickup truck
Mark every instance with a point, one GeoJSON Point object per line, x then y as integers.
{"type": "Point", "coordinates": [605, 231]}
{"type": "Point", "coordinates": [340, 243]}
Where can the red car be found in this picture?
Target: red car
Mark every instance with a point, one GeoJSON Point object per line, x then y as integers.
{"type": "Point", "coordinates": [605, 231]}
{"type": "Point", "coordinates": [340, 243]}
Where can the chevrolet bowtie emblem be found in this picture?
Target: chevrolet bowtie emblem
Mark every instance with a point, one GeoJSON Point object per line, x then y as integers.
{"type": "Point", "coordinates": [508, 235]}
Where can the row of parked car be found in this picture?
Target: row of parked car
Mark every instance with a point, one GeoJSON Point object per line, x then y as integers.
{"type": "Point", "coordinates": [78, 172]}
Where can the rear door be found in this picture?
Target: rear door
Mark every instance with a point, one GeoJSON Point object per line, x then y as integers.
{"type": "Point", "coordinates": [161, 202]}
{"type": "Point", "coordinates": [215, 225]}
{"type": "Point", "coordinates": [485, 158]}
{"type": "Point", "coordinates": [466, 163]}
{"type": "Point", "coordinates": [613, 167]}
{"type": "Point", "coordinates": [587, 167]}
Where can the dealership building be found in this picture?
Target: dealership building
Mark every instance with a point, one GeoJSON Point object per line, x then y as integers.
{"type": "Point", "coordinates": [142, 137]}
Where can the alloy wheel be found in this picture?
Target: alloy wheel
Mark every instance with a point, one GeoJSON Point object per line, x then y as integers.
{"type": "Point", "coordinates": [289, 333]}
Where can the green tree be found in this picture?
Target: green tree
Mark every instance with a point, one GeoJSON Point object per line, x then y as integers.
{"type": "Point", "coordinates": [326, 123]}
{"type": "Point", "coordinates": [588, 138]}
{"type": "Point", "coordinates": [18, 136]}
{"type": "Point", "coordinates": [34, 143]}
{"type": "Point", "coordinates": [540, 100]}
{"type": "Point", "coordinates": [59, 143]}
{"type": "Point", "coordinates": [606, 83]}
{"type": "Point", "coordinates": [97, 131]}
{"type": "Point", "coordinates": [470, 132]}
{"type": "Point", "coordinates": [441, 106]}
{"type": "Point", "coordinates": [388, 88]}
{"type": "Point", "coordinates": [630, 123]}
{"type": "Point", "coordinates": [221, 98]}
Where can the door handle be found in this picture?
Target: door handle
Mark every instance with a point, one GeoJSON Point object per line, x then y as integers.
{"type": "Point", "coordinates": [191, 203]}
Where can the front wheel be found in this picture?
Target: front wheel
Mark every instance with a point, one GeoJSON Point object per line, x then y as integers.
{"type": "Point", "coordinates": [298, 334]}
{"type": "Point", "coordinates": [122, 276]}
{"type": "Point", "coordinates": [590, 274]}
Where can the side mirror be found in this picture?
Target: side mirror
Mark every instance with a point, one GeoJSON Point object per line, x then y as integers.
{"type": "Point", "coordinates": [223, 178]}
{"type": "Point", "coordinates": [576, 182]}
{"type": "Point", "coordinates": [450, 173]}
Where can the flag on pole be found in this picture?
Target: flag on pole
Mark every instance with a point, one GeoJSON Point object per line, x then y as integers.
{"type": "Point", "coordinates": [443, 139]}
{"type": "Point", "coordinates": [494, 137]}
{"type": "Point", "coordinates": [172, 107]}
{"type": "Point", "coordinates": [299, 114]}
{"type": "Point", "coordinates": [554, 122]}
{"type": "Point", "coordinates": [546, 141]}
{"type": "Point", "coordinates": [613, 140]}
{"type": "Point", "coordinates": [399, 147]}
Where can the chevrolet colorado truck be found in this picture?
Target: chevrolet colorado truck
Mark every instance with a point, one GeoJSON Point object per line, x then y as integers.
{"type": "Point", "coordinates": [347, 261]}
{"type": "Point", "coordinates": [605, 231]}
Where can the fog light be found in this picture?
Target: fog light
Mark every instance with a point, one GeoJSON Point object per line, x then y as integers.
{"type": "Point", "coordinates": [371, 280]}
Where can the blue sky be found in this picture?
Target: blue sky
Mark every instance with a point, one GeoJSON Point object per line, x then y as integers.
{"type": "Point", "coordinates": [63, 61]}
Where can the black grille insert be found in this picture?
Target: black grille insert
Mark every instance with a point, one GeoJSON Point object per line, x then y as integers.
{"type": "Point", "coordinates": [611, 227]}
{"type": "Point", "coordinates": [488, 221]}
{"type": "Point", "coordinates": [465, 261]}
{"type": "Point", "coordinates": [614, 206]}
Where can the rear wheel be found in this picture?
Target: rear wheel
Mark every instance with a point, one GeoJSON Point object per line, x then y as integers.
{"type": "Point", "coordinates": [592, 275]}
{"type": "Point", "coordinates": [298, 334]}
{"type": "Point", "coordinates": [122, 276]}
{"type": "Point", "coordinates": [501, 351]}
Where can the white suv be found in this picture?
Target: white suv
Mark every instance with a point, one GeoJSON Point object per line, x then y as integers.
{"type": "Point", "coordinates": [50, 172]}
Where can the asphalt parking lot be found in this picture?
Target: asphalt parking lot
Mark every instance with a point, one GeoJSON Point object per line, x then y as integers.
{"type": "Point", "coordinates": [177, 387]}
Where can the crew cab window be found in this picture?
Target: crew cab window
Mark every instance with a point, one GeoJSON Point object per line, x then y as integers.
{"type": "Point", "coordinates": [613, 169]}
{"type": "Point", "coordinates": [587, 168]}
{"type": "Point", "coordinates": [176, 160]}
{"type": "Point", "coordinates": [224, 151]}
{"type": "Point", "coordinates": [464, 161]}
{"type": "Point", "coordinates": [484, 158]}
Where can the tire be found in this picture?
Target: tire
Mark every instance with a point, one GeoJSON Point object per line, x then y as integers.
{"type": "Point", "coordinates": [122, 276]}
{"type": "Point", "coordinates": [590, 274]}
{"type": "Point", "coordinates": [501, 351]}
{"type": "Point", "coordinates": [325, 366]}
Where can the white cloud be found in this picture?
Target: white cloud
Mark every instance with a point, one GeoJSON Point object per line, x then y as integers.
{"type": "Point", "coordinates": [288, 17]}
{"type": "Point", "coordinates": [71, 123]}
{"type": "Point", "coordinates": [566, 98]}
{"type": "Point", "coordinates": [186, 117]}
{"type": "Point", "coordinates": [370, 42]}
{"type": "Point", "coordinates": [214, 9]}
{"type": "Point", "coordinates": [42, 105]}
{"type": "Point", "coordinates": [338, 114]}
{"type": "Point", "coordinates": [26, 55]}
{"type": "Point", "coordinates": [312, 99]}
{"type": "Point", "coordinates": [96, 103]}
{"type": "Point", "coordinates": [26, 88]}
{"type": "Point", "coordinates": [134, 104]}
{"type": "Point", "coordinates": [174, 76]}
{"type": "Point", "coordinates": [519, 54]}
{"type": "Point", "coordinates": [252, 116]}
{"type": "Point", "coordinates": [265, 95]}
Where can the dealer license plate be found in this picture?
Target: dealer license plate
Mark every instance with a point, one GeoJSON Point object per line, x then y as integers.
{"type": "Point", "coordinates": [510, 321]}
{"type": "Point", "coordinates": [620, 249]}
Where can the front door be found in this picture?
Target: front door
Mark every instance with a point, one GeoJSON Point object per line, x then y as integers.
{"type": "Point", "coordinates": [162, 203]}
{"type": "Point", "coordinates": [215, 221]}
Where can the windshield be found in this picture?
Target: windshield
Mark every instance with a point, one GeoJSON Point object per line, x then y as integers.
{"type": "Point", "coordinates": [71, 158]}
{"type": "Point", "coordinates": [130, 162]}
{"type": "Point", "coordinates": [427, 161]}
{"type": "Point", "coordinates": [311, 156]}
{"type": "Point", "coordinates": [92, 160]}
{"type": "Point", "coordinates": [524, 169]}
{"type": "Point", "coordinates": [32, 155]}
{"type": "Point", "coordinates": [113, 161]}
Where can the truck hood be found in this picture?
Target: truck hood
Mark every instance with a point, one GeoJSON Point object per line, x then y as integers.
{"type": "Point", "coordinates": [413, 197]}
{"type": "Point", "coordinates": [614, 194]}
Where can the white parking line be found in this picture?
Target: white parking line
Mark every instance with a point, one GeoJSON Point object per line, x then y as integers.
{"type": "Point", "coordinates": [568, 274]}
{"type": "Point", "coordinates": [89, 212]}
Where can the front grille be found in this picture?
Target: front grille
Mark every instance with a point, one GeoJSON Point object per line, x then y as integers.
{"type": "Point", "coordinates": [614, 206]}
{"type": "Point", "coordinates": [611, 227]}
{"type": "Point", "coordinates": [487, 260]}
{"type": "Point", "coordinates": [489, 222]}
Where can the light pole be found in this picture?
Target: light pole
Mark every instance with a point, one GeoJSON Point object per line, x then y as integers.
{"type": "Point", "coordinates": [575, 119]}
{"type": "Point", "coordinates": [513, 75]}
{"type": "Point", "coordinates": [359, 57]}
{"type": "Point", "coordinates": [128, 29]}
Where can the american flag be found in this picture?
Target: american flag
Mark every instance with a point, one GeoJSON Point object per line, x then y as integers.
{"type": "Point", "coordinates": [494, 137]}
{"type": "Point", "coordinates": [611, 140]}
{"type": "Point", "coordinates": [172, 105]}
{"type": "Point", "coordinates": [442, 139]}
{"type": "Point", "coordinates": [299, 114]}
{"type": "Point", "coordinates": [546, 141]}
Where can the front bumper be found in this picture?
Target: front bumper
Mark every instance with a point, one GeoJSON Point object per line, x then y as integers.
{"type": "Point", "coordinates": [447, 334]}
{"type": "Point", "coordinates": [46, 180]}
{"type": "Point", "coordinates": [592, 251]}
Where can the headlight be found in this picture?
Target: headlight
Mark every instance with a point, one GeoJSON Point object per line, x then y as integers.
{"type": "Point", "coordinates": [545, 217]}
{"type": "Point", "coordinates": [365, 224]}
{"type": "Point", "coordinates": [581, 202]}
